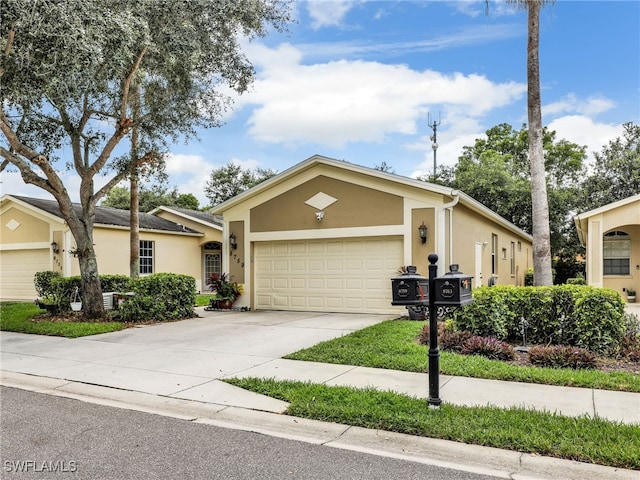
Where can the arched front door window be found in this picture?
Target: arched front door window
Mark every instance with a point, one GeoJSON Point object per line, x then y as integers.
{"type": "Point", "coordinates": [617, 253]}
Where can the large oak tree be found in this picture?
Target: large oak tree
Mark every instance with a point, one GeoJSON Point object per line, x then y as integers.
{"type": "Point", "coordinates": [67, 73]}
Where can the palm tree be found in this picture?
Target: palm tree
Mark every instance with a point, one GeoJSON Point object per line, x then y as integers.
{"type": "Point", "coordinates": [540, 203]}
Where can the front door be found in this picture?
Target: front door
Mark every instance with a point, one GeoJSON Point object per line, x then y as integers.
{"type": "Point", "coordinates": [477, 281]}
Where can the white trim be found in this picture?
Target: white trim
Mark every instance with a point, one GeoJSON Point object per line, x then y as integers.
{"type": "Point", "coordinates": [609, 206]}
{"type": "Point", "coordinates": [211, 224]}
{"type": "Point", "coordinates": [327, 233]}
{"type": "Point", "coordinates": [25, 246]}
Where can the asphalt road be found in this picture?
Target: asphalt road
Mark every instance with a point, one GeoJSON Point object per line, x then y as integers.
{"type": "Point", "coordinates": [45, 437]}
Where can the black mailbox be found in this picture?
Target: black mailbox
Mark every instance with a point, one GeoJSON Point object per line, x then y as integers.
{"type": "Point", "coordinates": [453, 289]}
{"type": "Point", "coordinates": [410, 288]}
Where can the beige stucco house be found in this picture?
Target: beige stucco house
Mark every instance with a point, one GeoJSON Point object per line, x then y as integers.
{"type": "Point", "coordinates": [611, 235]}
{"type": "Point", "coordinates": [328, 235]}
{"type": "Point", "coordinates": [34, 237]}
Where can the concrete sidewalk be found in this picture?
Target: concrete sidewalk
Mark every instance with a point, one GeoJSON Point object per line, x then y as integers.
{"type": "Point", "coordinates": [177, 368]}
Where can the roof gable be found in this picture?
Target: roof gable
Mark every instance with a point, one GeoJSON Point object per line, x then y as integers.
{"type": "Point", "coordinates": [392, 182]}
{"type": "Point", "coordinates": [609, 207]}
{"type": "Point", "coordinates": [205, 218]}
{"type": "Point", "coordinates": [108, 217]}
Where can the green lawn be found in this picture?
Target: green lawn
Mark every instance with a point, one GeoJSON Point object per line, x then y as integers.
{"type": "Point", "coordinates": [16, 317]}
{"type": "Point", "coordinates": [203, 300]}
{"type": "Point", "coordinates": [392, 345]}
{"type": "Point", "coordinates": [583, 439]}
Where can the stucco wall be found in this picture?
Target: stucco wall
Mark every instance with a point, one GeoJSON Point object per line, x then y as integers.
{"type": "Point", "coordinates": [471, 229]}
{"type": "Point", "coordinates": [30, 229]}
{"type": "Point", "coordinates": [356, 206]}
{"type": "Point", "coordinates": [211, 234]}
{"type": "Point", "coordinates": [172, 253]}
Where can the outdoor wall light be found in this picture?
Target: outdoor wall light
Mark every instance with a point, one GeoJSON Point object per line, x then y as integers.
{"type": "Point", "coordinates": [319, 216]}
{"type": "Point", "coordinates": [233, 242]}
{"type": "Point", "coordinates": [54, 247]}
{"type": "Point", "coordinates": [422, 230]}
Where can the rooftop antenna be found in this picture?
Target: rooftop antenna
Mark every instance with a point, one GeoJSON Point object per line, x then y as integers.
{"type": "Point", "coordinates": [434, 138]}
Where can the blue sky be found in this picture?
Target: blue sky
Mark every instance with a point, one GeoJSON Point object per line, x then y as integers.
{"type": "Point", "coordinates": [356, 80]}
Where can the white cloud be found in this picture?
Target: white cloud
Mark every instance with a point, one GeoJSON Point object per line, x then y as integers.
{"type": "Point", "coordinates": [185, 164]}
{"type": "Point", "coordinates": [469, 35]}
{"type": "Point", "coordinates": [344, 101]}
{"type": "Point", "coordinates": [327, 14]}
{"type": "Point", "coordinates": [572, 104]}
{"type": "Point", "coordinates": [583, 130]}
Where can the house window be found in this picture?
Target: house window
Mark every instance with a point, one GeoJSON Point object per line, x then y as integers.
{"type": "Point", "coordinates": [146, 256]}
{"type": "Point", "coordinates": [494, 254]}
{"type": "Point", "coordinates": [616, 253]}
{"type": "Point", "coordinates": [513, 258]}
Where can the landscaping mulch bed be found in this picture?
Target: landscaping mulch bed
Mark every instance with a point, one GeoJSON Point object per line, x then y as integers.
{"type": "Point", "coordinates": [604, 364]}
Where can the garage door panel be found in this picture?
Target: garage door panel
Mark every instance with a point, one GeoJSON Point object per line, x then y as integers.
{"type": "Point", "coordinates": [345, 275]}
{"type": "Point", "coordinates": [17, 271]}
{"type": "Point", "coordinates": [335, 283]}
{"type": "Point", "coordinates": [280, 283]}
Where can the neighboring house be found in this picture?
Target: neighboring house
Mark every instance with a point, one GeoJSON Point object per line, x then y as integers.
{"type": "Point", "coordinates": [328, 235]}
{"type": "Point", "coordinates": [34, 237]}
{"type": "Point", "coordinates": [611, 235]}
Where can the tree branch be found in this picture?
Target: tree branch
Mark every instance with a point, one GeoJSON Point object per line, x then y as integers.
{"type": "Point", "coordinates": [7, 47]}
{"type": "Point", "coordinates": [127, 83]}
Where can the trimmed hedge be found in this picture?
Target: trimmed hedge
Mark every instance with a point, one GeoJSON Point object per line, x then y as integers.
{"type": "Point", "coordinates": [576, 315]}
{"type": "Point", "coordinates": [160, 296]}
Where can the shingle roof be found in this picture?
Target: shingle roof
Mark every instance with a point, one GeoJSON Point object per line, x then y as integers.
{"type": "Point", "coordinates": [205, 217]}
{"type": "Point", "coordinates": [111, 216]}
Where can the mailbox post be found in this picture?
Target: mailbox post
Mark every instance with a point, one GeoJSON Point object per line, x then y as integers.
{"type": "Point", "coordinates": [434, 354]}
{"type": "Point", "coordinates": [451, 290]}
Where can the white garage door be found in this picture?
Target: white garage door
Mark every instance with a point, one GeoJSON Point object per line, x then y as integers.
{"type": "Point", "coordinates": [338, 275]}
{"type": "Point", "coordinates": [17, 268]}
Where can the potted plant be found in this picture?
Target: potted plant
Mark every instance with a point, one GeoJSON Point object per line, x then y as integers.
{"type": "Point", "coordinates": [76, 301]}
{"type": "Point", "coordinates": [226, 291]}
{"type": "Point", "coordinates": [51, 303]}
{"type": "Point", "coordinates": [631, 295]}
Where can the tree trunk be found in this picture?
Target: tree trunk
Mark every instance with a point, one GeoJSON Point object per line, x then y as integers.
{"type": "Point", "coordinates": [92, 304]}
{"type": "Point", "coordinates": [540, 204]}
{"type": "Point", "coordinates": [134, 227]}
{"type": "Point", "coordinates": [134, 207]}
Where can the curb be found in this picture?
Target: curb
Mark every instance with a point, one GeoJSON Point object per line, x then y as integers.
{"type": "Point", "coordinates": [442, 453]}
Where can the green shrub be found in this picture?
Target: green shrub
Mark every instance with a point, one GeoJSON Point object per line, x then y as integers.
{"type": "Point", "coordinates": [160, 296]}
{"type": "Point", "coordinates": [42, 282]}
{"type": "Point", "coordinates": [488, 347]}
{"type": "Point", "coordinates": [115, 283]}
{"type": "Point", "coordinates": [528, 277]}
{"type": "Point", "coordinates": [597, 323]}
{"type": "Point", "coordinates": [562, 356]}
{"type": "Point", "coordinates": [577, 315]}
{"type": "Point", "coordinates": [488, 315]}
{"type": "Point", "coordinates": [576, 281]}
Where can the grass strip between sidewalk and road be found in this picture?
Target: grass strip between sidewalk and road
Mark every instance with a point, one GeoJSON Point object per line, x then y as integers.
{"type": "Point", "coordinates": [392, 345]}
{"type": "Point", "coordinates": [584, 439]}
{"type": "Point", "coordinates": [17, 317]}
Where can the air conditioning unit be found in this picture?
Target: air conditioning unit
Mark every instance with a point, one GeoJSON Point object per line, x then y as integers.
{"type": "Point", "coordinates": [108, 300]}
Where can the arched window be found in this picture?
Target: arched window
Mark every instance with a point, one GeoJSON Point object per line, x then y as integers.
{"type": "Point", "coordinates": [617, 253]}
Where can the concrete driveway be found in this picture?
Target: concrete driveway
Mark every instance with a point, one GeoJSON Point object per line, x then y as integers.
{"type": "Point", "coordinates": [183, 359]}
